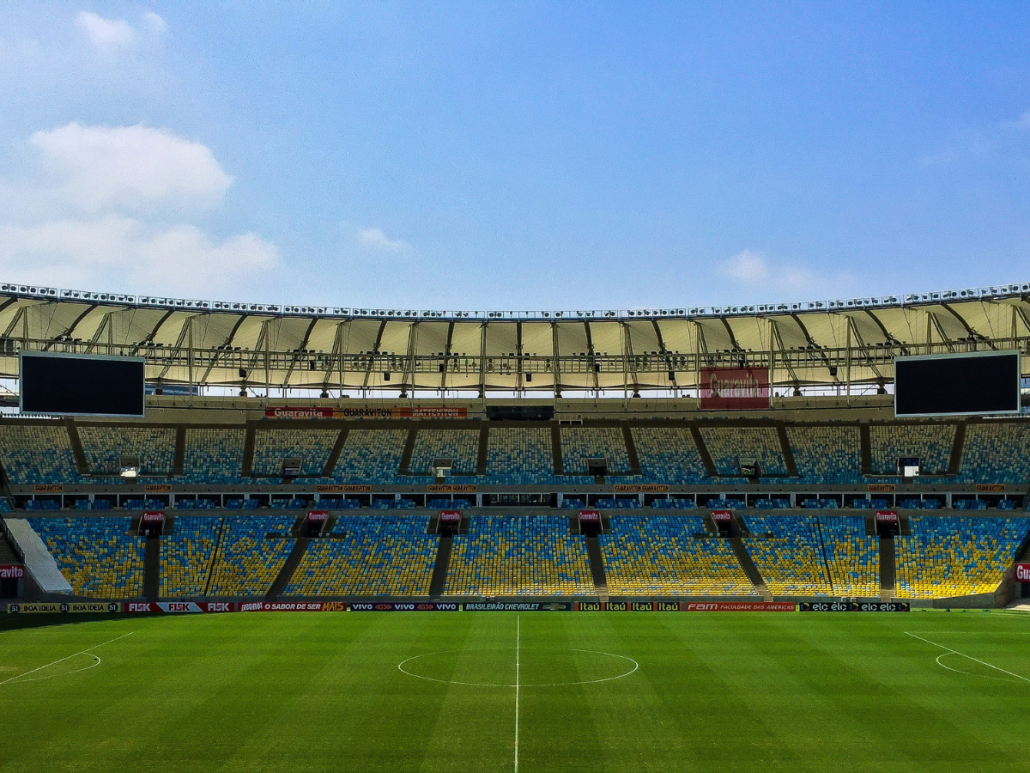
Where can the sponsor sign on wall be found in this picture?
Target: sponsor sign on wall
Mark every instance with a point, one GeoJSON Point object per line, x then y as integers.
{"type": "Point", "coordinates": [404, 607]}
{"type": "Point", "coordinates": [65, 607]}
{"type": "Point", "coordinates": [627, 606]}
{"type": "Point", "coordinates": [313, 412]}
{"type": "Point", "coordinates": [1022, 572]}
{"type": "Point", "coordinates": [739, 606]}
{"type": "Point", "coordinates": [48, 488]}
{"type": "Point", "coordinates": [734, 388]}
{"type": "Point", "coordinates": [11, 571]}
{"type": "Point", "coordinates": [178, 607]}
{"type": "Point", "coordinates": [447, 488]}
{"type": "Point", "coordinates": [155, 516]}
{"type": "Point", "coordinates": [882, 488]}
{"type": "Point", "coordinates": [318, 515]}
{"type": "Point", "coordinates": [343, 488]}
{"type": "Point", "coordinates": [450, 516]}
{"type": "Point", "coordinates": [493, 606]}
{"type": "Point", "coordinates": [722, 516]}
{"type": "Point", "coordinates": [996, 487]}
{"type": "Point", "coordinates": [158, 488]}
{"type": "Point", "coordinates": [292, 606]}
{"type": "Point", "coordinates": [886, 516]}
{"type": "Point", "coordinates": [641, 488]}
{"type": "Point", "coordinates": [854, 606]}
{"type": "Point", "coordinates": [589, 516]}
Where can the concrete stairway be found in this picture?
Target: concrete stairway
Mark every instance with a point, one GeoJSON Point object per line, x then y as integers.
{"type": "Point", "coordinates": [597, 571]}
{"type": "Point", "coordinates": [750, 569]}
{"type": "Point", "coordinates": [300, 547]}
{"type": "Point", "coordinates": [887, 578]}
{"type": "Point", "coordinates": [443, 562]}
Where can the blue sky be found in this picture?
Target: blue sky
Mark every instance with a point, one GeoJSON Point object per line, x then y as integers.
{"type": "Point", "coordinates": [514, 155]}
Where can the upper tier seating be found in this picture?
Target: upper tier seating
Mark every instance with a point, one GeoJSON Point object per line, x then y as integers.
{"type": "Point", "coordinates": [39, 453]}
{"type": "Point", "coordinates": [461, 446]}
{"type": "Point", "coordinates": [371, 456]}
{"type": "Point", "coordinates": [213, 455]}
{"type": "Point", "coordinates": [788, 555]}
{"type": "Point", "coordinates": [312, 446]}
{"type": "Point", "coordinates": [520, 455]}
{"type": "Point", "coordinates": [519, 556]}
{"type": "Point", "coordinates": [996, 452]}
{"type": "Point", "coordinates": [830, 454]}
{"type": "Point", "coordinates": [98, 556]}
{"type": "Point", "coordinates": [931, 443]}
{"type": "Point", "coordinates": [853, 558]}
{"type": "Point", "coordinates": [379, 555]}
{"type": "Point", "coordinates": [581, 443]}
{"type": "Point", "coordinates": [668, 455]}
{"type": "Point", "coordinates": [248, 561]}
{"type": "Point", "coordinates": [727, 445]}
{"type": "Point", "coordinates": [103, 446]}
{"type": "Point", "coordinates": [955, 556]}
{"type": "Point", "coordinates": [660, 556]}
{"type": "Point", "coordinates": [187, 555]}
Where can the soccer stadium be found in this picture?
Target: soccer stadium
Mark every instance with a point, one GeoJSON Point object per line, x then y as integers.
{"type": "Point", "coordinates": [519, 387]}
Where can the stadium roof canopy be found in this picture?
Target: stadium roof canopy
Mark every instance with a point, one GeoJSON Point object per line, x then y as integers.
{"type": "Point", "coordinates": [200, 342]}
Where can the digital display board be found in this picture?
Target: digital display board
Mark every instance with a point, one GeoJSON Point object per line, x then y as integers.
{"type": "Point", "coordinates": [980, 383]}
{"type": "Point", "coordinates": [81, 385]}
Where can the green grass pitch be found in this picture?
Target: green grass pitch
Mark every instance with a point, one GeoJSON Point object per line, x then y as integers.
{"type": "Point", "coordinates": [594, 692]}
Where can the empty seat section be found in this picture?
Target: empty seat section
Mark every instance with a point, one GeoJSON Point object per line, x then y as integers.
{"type": "Point", "coordinates": [581, 443]}
{"type": "Point", "coordinates": [371, 456]}
{"type": "Point", "coordinates": [831, 454]}
{"type": "Point", "coordinates": [248, 561]}
{"type": "Point", "coordinates": [930, 443]}
{"type": "Point", "coordinates": [370, 555]}
{"type": "Point", "coordinates": [662, 556]}
{"type": "Point", "coordinates": [461, 446]}
{"type": "Point", "coordinates": [104, 446]}
{"type": "Point", "coordinates": [996, 452]}
{"type": "Point", "coordinates": [787, 552]}
{"type": "Point", "coordinates": [311, 446]}
{"type": "Point", "coordinates": [955, 556]}
{"type": "Point", "coordinates": [520, 456]}
{"type": "Point", "coordinates": [531, 555]}
{"type": "Point", "coordinates": [853, 558]}
{"type": "Point", "coordinates": [213, 455]}
{"type": "Point", "coordinates": [37, 454]}
{"type": "Point", "coordinates": [97, 556]}
{"type": "Point", "coordinates": [668, 455]}
{"type": "Point", "coordinates": [186, 556]}
{"type": "Point", "coordinates": [727, 445]}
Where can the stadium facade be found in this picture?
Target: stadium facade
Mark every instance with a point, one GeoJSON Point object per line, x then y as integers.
{"type": "Point", "coordinates": [718, 455]}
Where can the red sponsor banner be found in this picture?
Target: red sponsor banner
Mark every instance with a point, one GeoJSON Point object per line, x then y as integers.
{"type": "Point", "coordinates": [722, 515]}
{"type": "Point", "coordinates": [11, 571]}
{"type": "Point", "coordinates": [1022, 572]}
{"type": "Point", "coordinates": [292, 606]}
{"type": "Point", "coordinates": [450, 516]}
{"type": "Point", "coordinates": [738, 606]}
{"type": "Point", "coordinates": [298, 413]}
{"type": "Point", "coordinates": [734, 388]}
{"type": "Point", "coordinates": [178, 607]}
{"type": "Point", "coordinates": [589, 516]}
{"type": "Point", "coordinates": [153, 516]}
{"type": "Point", "coordinates": [317, 515]}
{"type": "Point", "coordinates": [886, 516]}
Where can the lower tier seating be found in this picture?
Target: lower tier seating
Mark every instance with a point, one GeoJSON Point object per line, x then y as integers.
{"type": "Point", "coordinates": [787, 552]}
{"type": "Point", "coordinates": [187, 556]}
{"type": "Point", "coordinates": [99, 557]}
{"type": "Point", "coordinates": [519, 556]}
{"type": "Point", "coordinates": [660, 556]}
{"type": "Point", "coordinates": [248, 559]}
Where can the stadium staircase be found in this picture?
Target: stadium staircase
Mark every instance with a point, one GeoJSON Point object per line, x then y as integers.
{"type": "Point", "coordinates": [8, 555]}
{"type": "Point", "coordinates": [887, 578]}
{"type": "Point", "coordinates": [152, 569]}
{"type": "Point", "coordinates": [631, 450]}
{"type": "Point", "coordinates": [786, 451]}
{"type": "Point", "coordinates": [81, 464]}
{"type": "Point", "coordinates": [300, 547]}
{"type": "Point", "coordinates": [443, 563]}
{"type": "Point", "coordinates": [597, 568]}
{"type": "Point", "coordinates": [749, 568]}
{"type": "Point", "coordinates": [955, 460]}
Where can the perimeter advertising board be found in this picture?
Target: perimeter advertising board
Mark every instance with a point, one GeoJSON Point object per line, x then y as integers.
{"type": "Point", "coordinates": [315, 412]}
{"type": "Point", "coordinates": [496, 606]}
{"type": "Point", "coordinates": [292, 606]}
{"type": "Point", "coordinates": [854, 606]}
{"type": "Point", "coordinates": [384, 606]}
{"type": "Point", "coordinates": [63, 607]}
{"type": "Point", "coordinates": [178, 607]}
{"type": "Point", "coordinates": [734, 389]}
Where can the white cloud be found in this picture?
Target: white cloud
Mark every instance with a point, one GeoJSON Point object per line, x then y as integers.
{"type": "Point", "coordinates": [754, 269]}
{"type": "Point", "coordinates": [375, 239]}
{"type": "Point", "coordinates": [91, 223]}
{"type": "Point", "coordinates": [105, 34]}
{"type": "Point", "coordinates": [122, 252]}
{"type": "Point", "coordinates": [111, 36]}
{"type": "Point", "coordinates": [99, 167]}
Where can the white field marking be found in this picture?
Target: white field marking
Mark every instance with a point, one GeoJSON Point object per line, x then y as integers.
{"type": "Point", "coordinates": [636, 666]}
{"type": "Point", "coordinates": [518, 653]}
{"type": "Point", "coordinates": [86, 651]}
{"type": "Point", "coordinates": [964, 655]}
{"type": "Point", "coordinates": [96, 662]}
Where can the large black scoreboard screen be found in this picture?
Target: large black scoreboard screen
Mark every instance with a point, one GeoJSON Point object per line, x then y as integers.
{"type": "Point", "coordinates": [81, 385]}
{"type": "Point", "coordinates": [981, 383]}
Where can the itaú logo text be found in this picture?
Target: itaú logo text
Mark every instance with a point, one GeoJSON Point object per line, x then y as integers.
{"type": "Point", "coordinates": [1023, 572]}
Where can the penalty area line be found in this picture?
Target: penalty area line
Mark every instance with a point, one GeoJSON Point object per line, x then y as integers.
{"type": "Point", "coordinates": [968, 657]}
{"type": "Point", "coordinates": [86, 651]}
